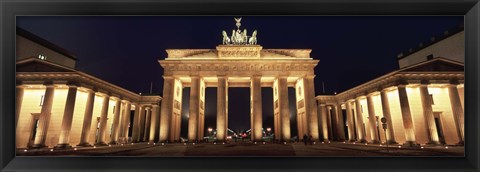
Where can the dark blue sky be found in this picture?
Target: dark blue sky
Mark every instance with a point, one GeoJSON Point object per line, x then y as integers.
{"type": "Point", "coordinates": [124, 50]}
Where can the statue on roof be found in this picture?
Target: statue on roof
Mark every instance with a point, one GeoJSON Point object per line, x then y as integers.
{"type": "Point", "coordinates": [238, 36]}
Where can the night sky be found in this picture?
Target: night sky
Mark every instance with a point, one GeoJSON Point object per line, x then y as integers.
{"type": "Point", "coordinates": [124, 50]}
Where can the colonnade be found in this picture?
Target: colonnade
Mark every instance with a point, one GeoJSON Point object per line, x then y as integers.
{"type": "Point", "coordinates": [120, 123]}
{"type": "Point", "coordinates": [409, 110]}
{"type": "Point", "coordinates": [196, 109]}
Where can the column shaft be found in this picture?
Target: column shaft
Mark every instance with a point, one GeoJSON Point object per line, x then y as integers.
{"type": "Point", "coordinates": [351, 130]}
{"type": "Point", "coordinates": [284, 108]}
{"type": "Point", "coordinates": [340, 124]}
{"type": "Point", "coordinates": [64, 137]}
{"type": "Point", "coordinates": [18, 101]}
{"type": "Point", "coordinates": [136, 123]}
{"type": "Point", "coordinates": [406, 116]}
{"type": "Point", "coordinates": [167, 108]}
{"type": "Point", "coordinates": [148, 119]}
{"type": "Point", "coordinates": [257, 108]}
{"type": "Point", "coordinates": [359, 121]}
{"type": "Point", "coordinates": [428, 115]}
{"type": "Point", "coordinates": [323, 113]}
{"type": "Point", "coordinates": [87, 119]}
{"type": "Point", "coordinates": [44, 119]}
{"type": "Point", "coordinates": [126, 121]}
{"type": "Point", "coordinates": [386, 113]}
{"type": "Point", "coordinates": [457, 109]}
{"type": "Point", "coordinates": [222, 108]}
{"type": "Point", "coordinates": [194, 108]}
{"type": "Point", "coordinates": [372, 120]}
{"type": "Point", "coordinates": [311, 107]}
{"type": "Point", "coordinates": [103, 121]}
{"type": "Point", "coordinates": [116, 122]}
{"type": "Point", "coordinates": [329, 122]}
{"type": "Point", "coordinates": [153, 124]}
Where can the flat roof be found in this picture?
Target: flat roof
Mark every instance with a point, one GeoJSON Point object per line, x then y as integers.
{"type": "Point", "coordinates": [45, 43]}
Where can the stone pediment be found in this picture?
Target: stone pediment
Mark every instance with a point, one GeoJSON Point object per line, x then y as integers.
{"type": "Point", "coordinates": [437, 64]}
{"type": "Point", "coordinates": [37, 65]}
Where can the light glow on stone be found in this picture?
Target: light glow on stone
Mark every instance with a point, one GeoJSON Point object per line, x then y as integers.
{"type": "Point", "coordinates": [51, 150]}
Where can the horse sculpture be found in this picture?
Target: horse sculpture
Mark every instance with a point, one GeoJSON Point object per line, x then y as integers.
{"type": "Point", "coordinates": [226, 40]}
{"type": "Point", "coordinates": [253, 39]}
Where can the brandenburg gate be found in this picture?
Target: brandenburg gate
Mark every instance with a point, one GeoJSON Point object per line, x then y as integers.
{"type": "Point", "coordinates": [238, 62]}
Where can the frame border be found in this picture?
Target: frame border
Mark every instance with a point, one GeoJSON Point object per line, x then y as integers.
{"type": "Point", "coordinates": [10, 9]}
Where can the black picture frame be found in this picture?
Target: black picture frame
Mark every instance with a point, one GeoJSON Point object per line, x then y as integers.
{"type": "Point", "coordinates": [10, 9]}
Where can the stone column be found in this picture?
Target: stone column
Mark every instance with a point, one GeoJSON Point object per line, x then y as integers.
{"type": "Point", "coordinates": [116, 122]}
{"type": "Point", "coordinates": [44, 119]}
{"type": "Point", "coordinates": [222, 108]}
{"type": "Point", "coordinates": [284, 108]}
{"type": "Point", "coordinates": [148, 119]}
{"type": "Point", "coordinates": [386, 113]}
{"type": "Point", "coordinates": [103, 121]}
{"type": "Point", "coordinates": [18, 100]}
{"type": "Point", "coordinates": [64, 138]}
{"type": "Point", "coordinates": [142, 124]}
{"type": "Point", "coordinates": [329, 122]}
{"type": "Point", "coordinates": [406, 116]}
{"type": "Point", "coordinates": [194, 108]}
{"type": "Point", "coordinates": [156, 111]}
{"type": "Point", "coordinates": [340, 124]}
{"type": "Point", "coordinates": [351, 130]}
{"type": "Point", "coordinates": [372, 120]}
{"type": "Point", "coordinates": [257, 107]}
{"type": "Point", "coordinates": [87, 118]}
{"type": "Point", "coordinates": [136, 123]}
{"type": "Point", "coordinates": [359, 121]}
{"type": "Point", "coordinates": [428, 114]}
{"type": "Point", "coordinates": [153, 124]}
{"type": "Point", "coordinates": [457, 110]}
{"type": "Point", "coordinates": [167, 108]}
{"type": "Point", "coordinates": [126, 121]}
{"type": "Point", "coordinates": [323, 113]}
{"type": "Point", "coordinates": [311, 107]}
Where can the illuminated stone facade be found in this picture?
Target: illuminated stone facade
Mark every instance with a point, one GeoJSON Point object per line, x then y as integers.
{"type": "Point", "coordinates": [423, 104]}
{"type": "Point", "coordinates": [238, 66]}
{"type": "Point", "coordinates": [58, 106]}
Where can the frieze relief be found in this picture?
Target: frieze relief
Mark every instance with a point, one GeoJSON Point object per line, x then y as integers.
{"type": "Point", "coordinates": [239, 67]}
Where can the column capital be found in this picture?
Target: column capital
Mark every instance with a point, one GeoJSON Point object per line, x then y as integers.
{"type": "Point", "coordinates": [147, 107]}
{"type": "Point", "coordinates": [424, 82]}
{"type": "Point", "coordinates": [372, 93]}
{"type": "Point", "coordinates": [309, 76]}
{"type": "Point", "coordinates": [222, 76]}
{"type": "Point", "coordinates": [454, 82]}
{"type": "Point", "coordinates": [154, 105]}
{"type": "Point", "coordinates": [18, 83]}
{"type": "Point", "coordinates": [401, 83]}
{"type": "Point", "coordinates": [323, 105]}
{"type": "Point", "coordinates": [168, 77]}
{"type": "Point", "coordinates": [256, 76]}
{"type": "Point", "coordinates": [125, 101]}
{"type": "Point", "coordinates": [195, 76]}
{"type": "Point", "coordinates": [48, 84]}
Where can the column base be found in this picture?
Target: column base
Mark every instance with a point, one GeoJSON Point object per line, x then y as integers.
{"type": "Point", "coordinates": [374, 142]}
{"type": "Point", "coordinates": [101, 144]}
{"type": "Point", "coordinates": [113, 143]}
{"type": "Point", "coordinates": [38, 146]}
{"type": "Point", "coordinates": [434, 143]}
{"type": "Point", "coordinates": [62, 146]}
{"type": "Point", "coordinates": [411, 144]}
{"type": "Point", "coordinates": [391, 142]}
{"type": "Point", "coordinates": [362, 141]}
{"type": "Point", "coordinates": [351, 140]}
{"type": "Point", "coordinates": [461, 143]}
{"type": "Point", "coordinates": [85, 145]}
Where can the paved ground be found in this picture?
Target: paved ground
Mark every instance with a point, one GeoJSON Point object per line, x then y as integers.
{"type": "Point", "coordinates": [249, 149]}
